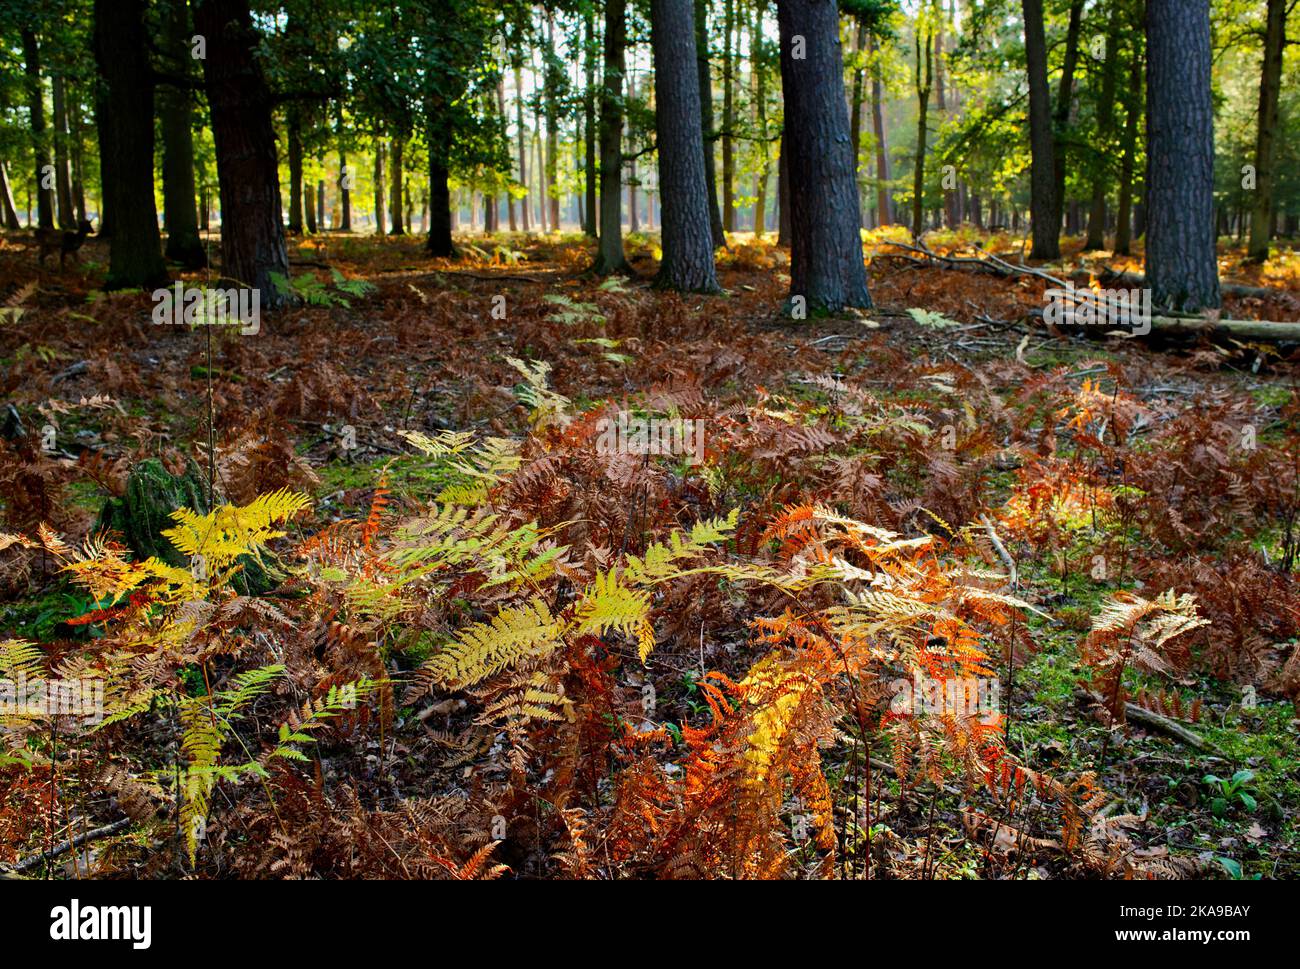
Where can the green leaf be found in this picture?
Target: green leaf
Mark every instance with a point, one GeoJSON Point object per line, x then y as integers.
{"type": "Point", "coordinates": [1232, 867]}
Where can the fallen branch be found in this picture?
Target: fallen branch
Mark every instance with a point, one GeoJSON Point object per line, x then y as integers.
{"type": "Point", "coordinates": [1266, 330]}
{"type": "Point", "coordinates": [63, 847]}
{"type": "Point", "coordinates": [1156, 721]}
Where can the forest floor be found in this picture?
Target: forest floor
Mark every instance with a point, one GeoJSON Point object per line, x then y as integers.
{"type": "Point", "coordinates": [1101, 465]}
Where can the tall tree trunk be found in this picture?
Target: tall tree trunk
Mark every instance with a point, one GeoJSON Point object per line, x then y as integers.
{"type": "Point", "coordinates": [687, 264]}
{"type": "Point", "coordinates": [760, 119]}
{"type": "Point", "coordinates": [345, 191]}
{"type": "Point", "coordinates": [36, 113]}
{"type": "Point", "coordinates": [1128, 164]}
{"type": "Point", "coordinates": [501, 112]}
{"type": "Point", "coordinates": [525, 202]}
{"type": "Point", "coordinates": [1061, 114]}
{"type": "Point", "coordinates": [8, 212]}
{"type": "Point", "coordinates": [552, 122]}
{"type": "Point", "coordinates": [294, 126]}
{"type": "Point", "coordinates": [589, 125]}
{"type": "Point", "coordinates": [923, 107]}
{"type": "Point", "coordinates": [75, 131]}
{"type": "Point", "coordinates": [320, 206]}
{"type": "Point", "coordinates": [826, 265]}
{"type": "Point", "coordinates": [1105, 117]}
{"type": "Point", "coordinates": [1181, 267]}
{"type": "Point", "coordinates": [379, 186]}
{"type": "Point", "coordinates": [855, 103]}
{"type": "Point", "coordinates": [728, 117]}
{"type": "Point", "coordinates": [610, 258]}
{"type": "Point", "coordinates": [252, 227]}
{"type": "Point", "coordinates": [783, 195]}
{"type": "Point", "coordinates": [884, 204]}
{"type": "Point", "coordinates": [1043, 210]}
{"type": "Point", "coordinates": [179, 215]}
{"type": "Point", "coordinates": [633, 211]}
{"type": "Point", "coordinates": [395, 182]}
{"type": "Point", "coordinates": [1270, 86]}
{"type": "Point", "coordinates": [122, 55]}
{"type": "Point", "coordinates": [62, 174]}
{"type": "Point", "coordinates": [940, 94]}
{"type": "Point", "coordinates": [440, 219]}
{"type": "Point", "coordinates": [706, 118]}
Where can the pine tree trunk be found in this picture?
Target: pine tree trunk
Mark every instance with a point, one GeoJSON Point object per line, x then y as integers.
{"type": "Point", "coordinates": [760, 120]}
{"type": "Point", "coordinates": [589, 126]}
{"type": "Point", "coordinates": [1181, 265]}
{"type": "Point", "coordinates": [8, 212]}
{"type": "Point", "coordinates": [294, 126]}
{"type": "Point", "coordinates": [36, 116]}
{"type": "Point", "coordinates": [884, 204]}
{"type": "Point", "coordinates": [706, 118]}
{"type": "Point", "coordinates": [379, 186]}
{"type": "Point", "coordinates": [395, 181]}
{"type": "Point", "coordinates": [122, 55]}
{"type": "Point", "coordinates": [252, 230]}
{"type": "Point", "coordinates": [179, 215]}
{"type": "Point", "coordinates": [1061, 114]}
{"type": "Point", "coordinates": [552, 124]}
{"type": "Point", "coordinates": [826, 264]}
{"type": "Point", "coordinates": [855, 104]}
{"type": "Point", "coordinates": [62, 180]}
{"type": "Point", "coordinates": [1105, 117]}
{"type": "Point", "coordinates": [75, 131]}
{"type": "Point", "coordinates": [525, 202]}
{"type": "Point", "coordinates": [923, 105]}
{"type": "Point", "coordinates": [501, 113]}
{"type": "Point", "coordinates": [345, 192]}
{"type": "Point", "coordinates": [728, 118]}
{"type": "Point", "coordinates": [1124, 207]}
{"type": "Point", "coordinates": [1270, 86]}
{"type": "Point", "coordinates": [610, 257]}
{"type": "Point", "coordinates": [687, 264]}
{"type": "Point", "coordinates": [783, 195]}
{"type": "Point", "coordinates": [440, 217]}
{"type": "Point", "coordinates": [1043, 211]}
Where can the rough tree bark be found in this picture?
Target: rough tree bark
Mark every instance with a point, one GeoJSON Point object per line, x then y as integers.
{"type": "Point", "coordinates": [395, 182]}
{"type": "Point", "coordinates": [706, 118]}
{"type": "Point", "coordinates": [525, 202]}
{"type": "Point", "coordinates": [345, 192]}
{"type": "Point", "coordinates": [179, 214]}
{"type": "Point", "coordinates": [62, 172]}
{"type": "Point", "coordinates": [610, 257]}
{"type": "Point", "coordinates": [8, 211]}
{"type": "Point", "coordinates": [1181, 267]}
{"type": "Point", "coordinates": [589, 221]}
{"type": "Point", "coordinates": [252, 230]}
{"type": "Point", "coordinates": [884, 205]}
{"type": "Point", "coordinates": [1061, 112]}
{"type": "Point", "coordinates": [36, 114]}
{"type": "Point", "coordinates": [1043, 210]}
{"type": "Point", "coordinates": [728, 117]}
{"type": "Point", "coordinates": [826, 265]}
{"type": "Point", "coordinates": [1105, 116]}
{"type": "Point", "coordinates": [122, 55]}
{"type": "Point", "coordinates": [923, 107]}
{"type": "Point", "coordinates": [687, 263]}
{"type": "Point", "coordinates": [1128, 165]}
{"type": "Point", "coordinates": [379, 186]}
{"type": "Point", "coordinates": [1270, 86]}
